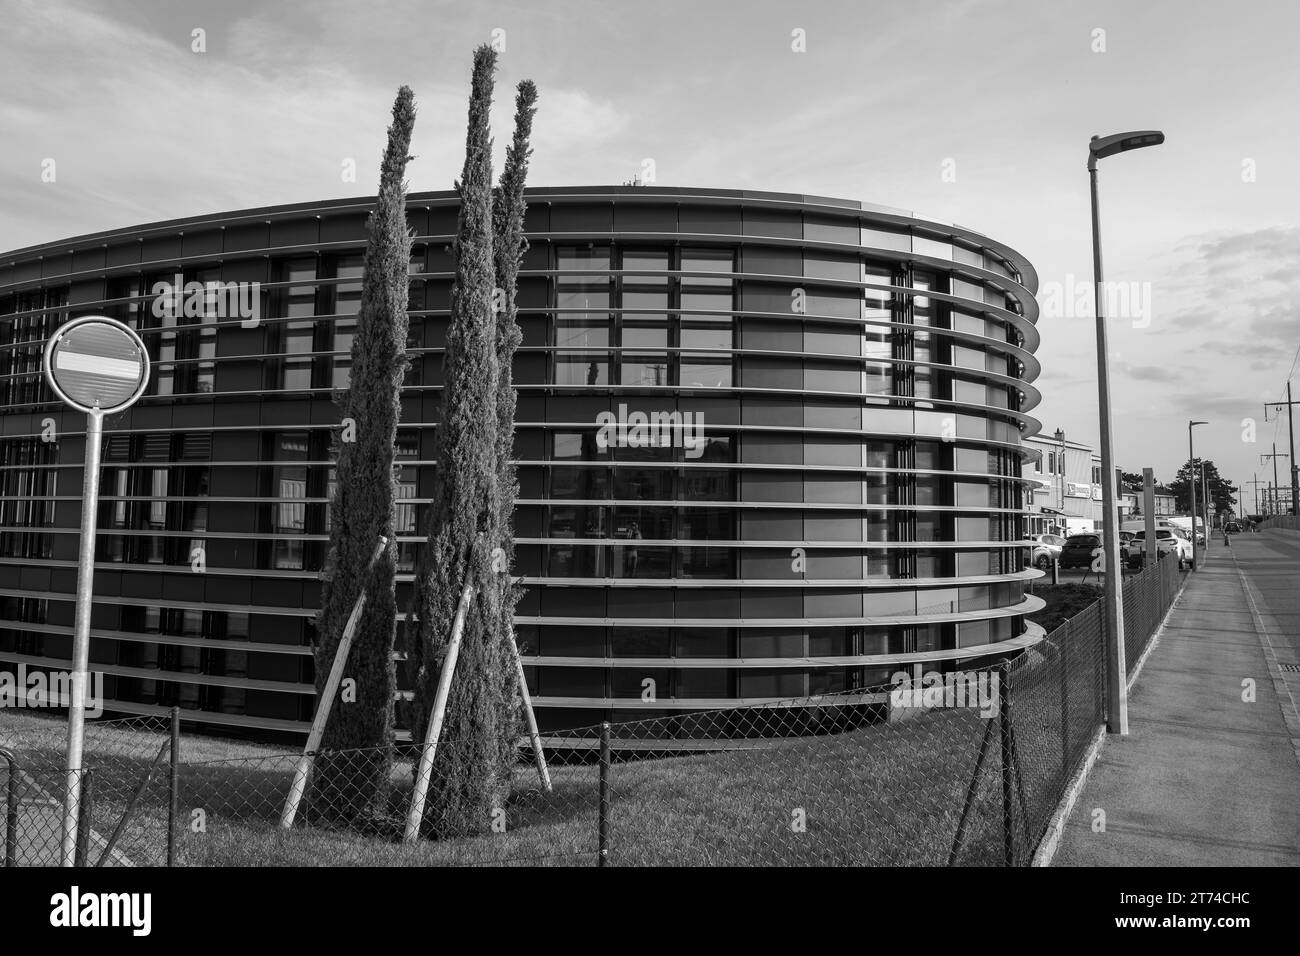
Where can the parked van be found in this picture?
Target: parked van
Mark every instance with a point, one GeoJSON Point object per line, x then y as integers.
{"type": "Point", "coordinates": [1184, 524]}
{"type": "Point", "coordinates": [1079, 526]}
{"type": "Point", "coordinates": [1140, 524]}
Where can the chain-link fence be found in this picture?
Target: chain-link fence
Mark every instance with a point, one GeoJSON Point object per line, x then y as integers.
{"type": "Point", "coordinates": [948, 767]}
{"type": "Point", "coordinates": [124, 789]}
{"type": "Point", "coordinates": [1146, 598]}
{"type": "Point", "coordinates": [1283, 522]}
{"type": "Point", "coordinates": [232, 812]}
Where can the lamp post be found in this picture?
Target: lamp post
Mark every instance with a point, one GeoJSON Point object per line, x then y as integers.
{"type": "Point", "coordinates": [1117, 696]}
{"type": "Point", "coordinates": [1205, 504]}
{"type": "Point", "coordinates": [1191, 481]}
{"type": "Point", "coordinates": [1060, 468]}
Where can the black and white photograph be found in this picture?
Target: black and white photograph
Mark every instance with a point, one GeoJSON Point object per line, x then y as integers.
{"type": "Point", "coordinates": [693, 436]}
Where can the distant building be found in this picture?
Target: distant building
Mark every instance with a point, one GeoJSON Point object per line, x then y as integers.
{"type": "Point", "coordinates": [1066, 486]}
{"type": "Point", "coordinates": [1065, 483]}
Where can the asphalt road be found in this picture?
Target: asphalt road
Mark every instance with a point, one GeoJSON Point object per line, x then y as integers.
{"type": "Point", "coordinates": [1271, 562]}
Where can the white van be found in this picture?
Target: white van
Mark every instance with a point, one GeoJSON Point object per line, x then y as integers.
{"type": "Point", "coordinates": [1184, 524]}
{"type": "Point", "coordinates": [1140, 524]}
{"type": "Point", "coordinates": [1079, 526]}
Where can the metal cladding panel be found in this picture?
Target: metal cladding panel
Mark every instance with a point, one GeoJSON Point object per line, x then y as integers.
{"type": "Point", "coordinates": [809, 519]}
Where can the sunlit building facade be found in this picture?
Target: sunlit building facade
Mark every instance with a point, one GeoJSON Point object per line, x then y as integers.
{"type": "Point", "coordinates": [769, 446]}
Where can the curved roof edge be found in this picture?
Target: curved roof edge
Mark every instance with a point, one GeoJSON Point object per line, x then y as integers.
{"type": "Point", "coordinates": [831, 204]}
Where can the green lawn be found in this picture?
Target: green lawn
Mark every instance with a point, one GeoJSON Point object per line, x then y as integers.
{"type": "Point", "coordinates": [888, 794]}
{"type": "Point", "coordinates": [119, 754]}
{"type": "Point", "coordinates": [884, 794]}
{"type": "Point", "coordinates": [1063, 601]}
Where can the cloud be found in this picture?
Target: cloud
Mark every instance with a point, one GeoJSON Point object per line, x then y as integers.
{"type": "Point", "coordinates": [1151, 373]}
{"type": "Point", "coordinates": [269, 115]}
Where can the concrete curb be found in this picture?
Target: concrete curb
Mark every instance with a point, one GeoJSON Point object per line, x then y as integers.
{"type": "Point", "coordinates": [1051, 840]}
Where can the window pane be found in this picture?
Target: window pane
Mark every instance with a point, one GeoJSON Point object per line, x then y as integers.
{"type": "Point", "coordinates": [704, 371]}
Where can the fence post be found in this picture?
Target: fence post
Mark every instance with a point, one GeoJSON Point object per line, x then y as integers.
{"type": "Point", "coordinates": [11, 811]}
{"type": "Point", "coordinates": [1065, 702]}
{"type": "Point", "coordinates": [1004, 727]}
{"type": "Point", "coordinates": [173, 786]}
{"type": "Point", "coordinates": [1107, 663]}
{"type": "Point", "coordinates": [603, 857]}
{"type": "Point", "coordinates": [85, 817]}
{"type": "Point", "coordinates": [1099, 704]}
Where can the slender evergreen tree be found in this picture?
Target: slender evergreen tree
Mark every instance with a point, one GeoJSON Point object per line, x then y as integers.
{"type": "Point", "coordinates": [509, 246]}
{"type": "Point", "coordinates": [362, 508]}
{"type": "Point", "coordinates": [468, 780]}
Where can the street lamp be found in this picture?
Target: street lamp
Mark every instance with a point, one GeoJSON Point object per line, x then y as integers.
{"type": "Point", "coordinates": [1117, 695]}
{"type": "Point", "coordinates": [1060, 467]}
{"type": "Point", "coordinates": [1191, 480]}
{"type": "Point", "coordinates": [1205, 505]}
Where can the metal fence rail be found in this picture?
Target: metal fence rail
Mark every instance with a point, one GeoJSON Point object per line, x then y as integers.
{"type": "Point", "coordinates": [1283, 522]}
{"type": "Point", "coordinates": [953, 768]}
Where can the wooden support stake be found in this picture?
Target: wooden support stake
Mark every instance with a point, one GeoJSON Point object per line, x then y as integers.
{"type": "Point", "coordinates": [434, 730]}
{"type": "Point", "coordinates": [538, 756]}
{"type": "Point", "coordinates": [326, 701]}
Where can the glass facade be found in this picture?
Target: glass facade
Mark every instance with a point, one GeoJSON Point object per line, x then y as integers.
{"type": "Point", "coordinates": [767, 446]}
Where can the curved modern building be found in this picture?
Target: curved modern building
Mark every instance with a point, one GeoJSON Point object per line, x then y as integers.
{"type": "Point", "coordinates": [769, 445]}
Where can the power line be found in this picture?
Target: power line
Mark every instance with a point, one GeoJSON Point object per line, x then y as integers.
{"type": "Point", "coordinates": [1295, 359]}
{"type": "Point", "coordinates": [1277, 422]}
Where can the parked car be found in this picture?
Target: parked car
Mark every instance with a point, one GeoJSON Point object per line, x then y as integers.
{"type": "Point", "coordinates": [1045, 549]}
{"type": "Point", "coordinates": [1125, 540]}
{"type": "Point", "coordinates": [1077, 550]}
{"type": "Point", "coordinates": [1168, 541]}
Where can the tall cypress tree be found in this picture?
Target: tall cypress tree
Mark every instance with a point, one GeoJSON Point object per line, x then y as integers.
{"type": "Point", "coordinates": [468, 782]}
{"type": "Point", "coordinates": [509, 245]}
{"type": "Point", "coordinates": [362, 508]}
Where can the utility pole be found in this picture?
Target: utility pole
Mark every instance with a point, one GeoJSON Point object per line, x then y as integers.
{"type": "Point", "coordinates": [1275, 456]}
{"type": "Point", "coordinates": [1290, 427]}
{"type": "Point", "coordinates": [1254, 480]}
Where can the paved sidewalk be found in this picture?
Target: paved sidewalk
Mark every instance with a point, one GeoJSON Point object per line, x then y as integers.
{"type": "Point", "coordinates": [1204, 778]}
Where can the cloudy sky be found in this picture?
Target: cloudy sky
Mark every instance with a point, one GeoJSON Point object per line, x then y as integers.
{"type": "Point", "coordinates": [1003, 95]}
